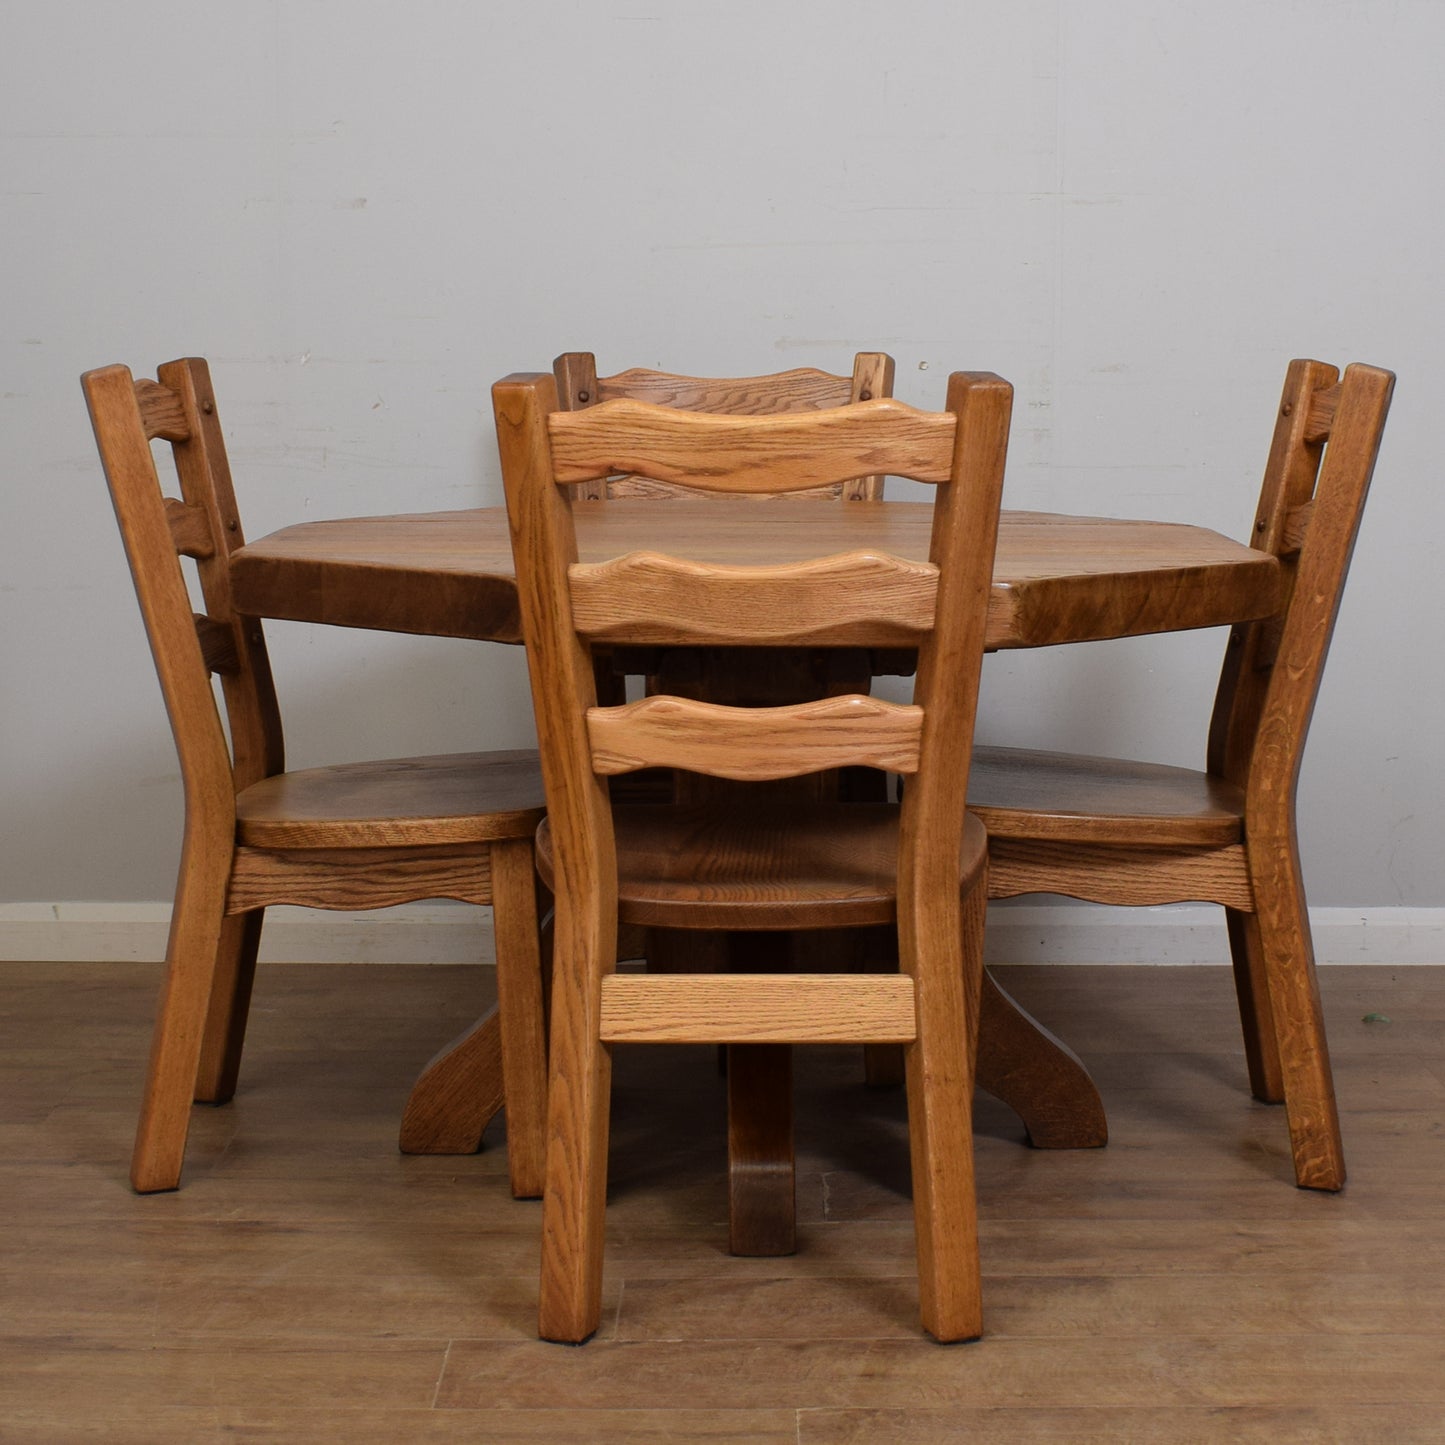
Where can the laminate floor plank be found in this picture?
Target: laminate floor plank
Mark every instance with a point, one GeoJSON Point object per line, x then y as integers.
{"type": "Point", "coordinates": [1182, 1370]}
{"type": "Point", "coordinates": [1186, 1425]}
{"type": "Point", "coordinates": [308, 1283]}
{"type": "Point", "coordinates": [1368, 1302]}
{"type": "Point", "coordinates": [343, 1371]}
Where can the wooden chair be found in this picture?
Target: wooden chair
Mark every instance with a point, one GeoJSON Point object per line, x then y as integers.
{"type": "Point", "coordinates": [729, 674]}
{"type": "Point", "coordinates": [729, 865]}
{"type": "Point", "coordinates": [361, 835]}
{"type": "Point", "coordinates": [1122, 832]}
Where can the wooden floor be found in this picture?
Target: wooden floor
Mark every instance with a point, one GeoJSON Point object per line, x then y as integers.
{"type": "Point", "coordinates": [308, 1283]}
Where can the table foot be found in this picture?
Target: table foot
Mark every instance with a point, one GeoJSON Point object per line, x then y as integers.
{"type": "Point", "coordinates": [1039, 1077]}
{"type": "Point", "coordinates": [458, 1094]}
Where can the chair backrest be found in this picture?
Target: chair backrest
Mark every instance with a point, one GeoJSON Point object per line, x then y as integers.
{"type": "Point", "coordinates": [180, 408]}
{"type": "Point", "coordinates": [1326, 438]}
{"type": "Point", "coordinates": [802, 390]}
{"type": "Point", "coordinates": [648, 597]}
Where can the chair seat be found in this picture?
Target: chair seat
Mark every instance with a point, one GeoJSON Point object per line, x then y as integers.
{"type": "Point", "coordinates": [1068, 797]}
{"type": "Point", "coordinates": [451, 798]}
{"type": "Point", "coordinates": [784, 866]}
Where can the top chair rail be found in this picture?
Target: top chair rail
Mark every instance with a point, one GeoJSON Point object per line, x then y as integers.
{"type": "Point", "coordinates": [750, 454]}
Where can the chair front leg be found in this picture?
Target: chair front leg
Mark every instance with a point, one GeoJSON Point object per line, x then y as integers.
{"type": "Point", "coordinates": [191, 952]}
{"type": "Point", "coordinates": [1287, 951]}
{"type": "Point", "coordinates": [579, 1087]}
{"type": "Point", "coordinates": [944, 954]}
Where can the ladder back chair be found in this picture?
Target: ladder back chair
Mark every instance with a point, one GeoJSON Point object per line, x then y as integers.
{"type": "Point", "coordinates": [1121, 832]}
{"type": "Point", "coordinates": [733, 673]}
{"type": "Point", "coordinates": [728, 864]}
{"type": "Point", "coordinates": [356, 836]}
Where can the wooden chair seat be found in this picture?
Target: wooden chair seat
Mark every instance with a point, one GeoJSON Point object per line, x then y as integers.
{"type": "Point", "coordinates": [799, 866]}
{"type": "Point", "coordinates": [450, 798]}
{"type": "Point", "coordinates": [1069, 797]}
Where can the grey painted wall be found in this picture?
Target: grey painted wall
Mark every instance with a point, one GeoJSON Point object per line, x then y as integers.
{"type": "Point", "coordinates": [363, 213]}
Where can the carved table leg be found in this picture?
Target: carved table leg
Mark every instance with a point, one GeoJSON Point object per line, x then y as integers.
{"type": "Point", "coordinates": [458, 1093]}
{"type": "Point", "coordinates": [1040, 1078]}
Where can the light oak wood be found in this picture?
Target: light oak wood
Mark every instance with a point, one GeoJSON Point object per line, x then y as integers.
{"type": "Point", "coordinates": [765, 1008]}
{"type": "Point", "coordinates": [755, 744]}
{"type": "Point", "coordinates": [778, 453]}
{"type": "Point", "coordinates": [458, 1094]}
{"type": "Point", "coordinates": [802, 390]}
{"type": "Point", "coordinates": [858, 592]}
{"type": "Point", "coordinates": [460, 798]}
{"type": "Point", "coordinates": [162, 412]}
{"type": "Point", "coordinates": [1056, 578]}
{"type": "Point", "coordinates": [1141, 877]}
{"type": "Point", "coordinates": [190, 529]}
{"type": "Point", "coordinates": [360, 835]}
{"type": "Point", "coordinates": [1077, 799]}
{"type": "Point", "coordinates": [357, 876]}
{"type": "Point", "coordinates": [1134, 833]}
{"type": "Point", "coordinates": [934, 887]}
{"type": "Point", "coordinates": [745, 864]}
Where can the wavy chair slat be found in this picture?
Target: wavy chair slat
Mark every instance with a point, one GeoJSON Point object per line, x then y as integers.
{"type": "Point", "coordinates": [786, 452]}
{"type": "Point", "coordinates": [755, 744]}
{"type": "Point", "coordinates": [803, 389]}
{"type": "Point", "coordinates": [649, 596]}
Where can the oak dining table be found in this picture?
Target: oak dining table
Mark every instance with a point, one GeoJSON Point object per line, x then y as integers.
{"type": "Point", "coordinates": [1057, 579]}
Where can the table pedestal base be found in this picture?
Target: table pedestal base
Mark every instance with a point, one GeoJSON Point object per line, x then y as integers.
{"type": "Point", "coordinates": [1019, 1062]}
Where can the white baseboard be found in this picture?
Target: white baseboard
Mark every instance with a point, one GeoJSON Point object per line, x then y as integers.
{"type": "Point", "coordinates": [119, 932]}
{"type": "Point", "coordinates": [455, 933]}
{"type": "Point", "coordinates": [1195, 933]}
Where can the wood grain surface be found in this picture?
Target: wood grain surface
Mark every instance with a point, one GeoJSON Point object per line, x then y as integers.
{"type": "Point", "coordinates": [1056, 578]}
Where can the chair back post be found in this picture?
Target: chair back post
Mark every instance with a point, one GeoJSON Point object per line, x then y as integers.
{"type": "Point", "coordinates": [575, 373]}
{"type": "Point", "coordinates": [559, 664]}
{"type": "Point", "coordinates": [584, 928]}
{"type": "Point", "coordinates": [1333, 523]}
{"type": "Point", "coordinates": [122, 438]}
{"type": "Point", "coordinates": [254, 718]}
{"type": "Point", "coordinates": [1322, 458]}
{"type": "Point", "coordinates": [872, 378]}
{"type": "Point", "coordinates": [950, 655]}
